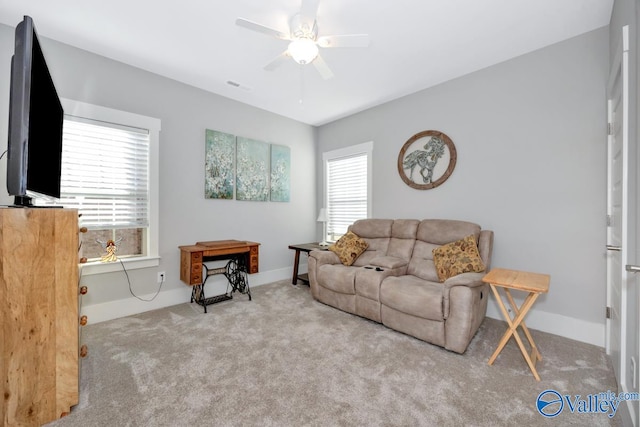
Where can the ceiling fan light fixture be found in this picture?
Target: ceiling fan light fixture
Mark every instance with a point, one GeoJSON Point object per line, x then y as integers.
{"type": "Point", "coordinates": [303, 50]}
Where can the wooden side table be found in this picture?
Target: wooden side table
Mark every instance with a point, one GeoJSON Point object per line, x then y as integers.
{"type": "Point", "coordinates": [303, 247]}
{"type": "Point", "coordinates": [533, 283]}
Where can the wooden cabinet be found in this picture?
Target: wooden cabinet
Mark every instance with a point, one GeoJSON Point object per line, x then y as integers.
{"type": "Point", "coordinates": [39, 318]}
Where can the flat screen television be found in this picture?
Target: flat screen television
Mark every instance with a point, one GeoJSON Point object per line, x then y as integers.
{"type": "Point", "coordinates": [34, 151]}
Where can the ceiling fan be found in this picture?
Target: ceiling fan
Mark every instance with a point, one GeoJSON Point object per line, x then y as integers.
{"type": "Point", "coordinates": [304, 40]}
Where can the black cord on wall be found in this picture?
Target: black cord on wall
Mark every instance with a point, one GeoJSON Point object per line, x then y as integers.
{"type": "Point", "coordinates": [131, 290]}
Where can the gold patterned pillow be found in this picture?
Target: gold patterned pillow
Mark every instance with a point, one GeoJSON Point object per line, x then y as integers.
{"type": "Point", "coordinates": [457, 257]}
{"type": "Point", "coordinates": [349, 247]}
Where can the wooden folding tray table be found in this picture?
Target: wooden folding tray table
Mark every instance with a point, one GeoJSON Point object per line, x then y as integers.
{"type": "Point", "coordinates": [533, 283]}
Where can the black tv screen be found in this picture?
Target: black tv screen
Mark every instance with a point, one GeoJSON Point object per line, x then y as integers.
{"type": "Point", "coordinates": [35, 122]}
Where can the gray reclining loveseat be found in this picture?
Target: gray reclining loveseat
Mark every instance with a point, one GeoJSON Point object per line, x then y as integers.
{"type": "Point", "coordinates": [395, 280]}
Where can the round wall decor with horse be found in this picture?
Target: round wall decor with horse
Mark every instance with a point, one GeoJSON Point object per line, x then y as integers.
{"type": "Point", "coordinates": [427, 159]}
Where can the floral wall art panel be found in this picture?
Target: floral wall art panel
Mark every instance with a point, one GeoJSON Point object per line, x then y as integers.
{"type": "Point", "coordinates": [220, 150]}
{"type": "Point", "coordinates": [252, 170]}
{"type": "Point", "coordinates": [280, 173]}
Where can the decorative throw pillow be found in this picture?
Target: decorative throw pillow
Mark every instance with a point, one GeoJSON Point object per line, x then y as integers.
{"type": "Point", "coordinates": [349, 247]}
{"type": "Point", "coordinates": [457, 257]}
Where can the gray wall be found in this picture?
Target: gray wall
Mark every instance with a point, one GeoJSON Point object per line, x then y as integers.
{"type": "Point", "coordinates": [185, 215]}
{"type": "Point", "coordinates": [530, 136]}
{"type": "Point", "coordinates": [531, 140]}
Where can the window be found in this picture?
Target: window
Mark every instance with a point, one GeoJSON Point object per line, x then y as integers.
{"type": "Point", "coordinates": [347, 187]}
{"type": "Point", "coordinates": [109, 173]}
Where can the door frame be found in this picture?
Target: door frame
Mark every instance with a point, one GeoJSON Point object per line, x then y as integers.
{"type": "Point", "coordinates": [623, 66]}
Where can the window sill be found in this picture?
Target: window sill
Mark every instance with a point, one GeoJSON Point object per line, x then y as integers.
{"type": "Point", "coordinates": [97, 267]}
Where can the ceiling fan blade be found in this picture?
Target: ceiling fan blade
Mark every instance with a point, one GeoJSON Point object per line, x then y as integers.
{"type": "Point", "coordinates": [254, 26]}
{"type": "Point", "coordinates": [278, 61]}
{"type": "Point", "coordinates": [322, 68]}
{"type": "Point", "coordinates": [309, 10]}
{"type": "Point", "coordinates": [347, 40]}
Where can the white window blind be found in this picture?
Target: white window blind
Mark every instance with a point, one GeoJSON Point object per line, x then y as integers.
{"type": "Point", "coordinates": [105, 173]}
{"type": "Point", "coordinates": [346, 192]}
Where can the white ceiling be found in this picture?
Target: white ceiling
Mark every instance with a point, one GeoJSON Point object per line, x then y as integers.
{"type": "Point", "coordinates": [415, 44]}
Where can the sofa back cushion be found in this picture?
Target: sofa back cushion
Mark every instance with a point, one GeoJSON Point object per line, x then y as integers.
{"type": "Point", "coordinates": [443, 231]}
{"type": "Point", "coordinates": [377, 233]}
{"type": "Point", "coordinates": [403, 238]}
{"type": "Point", "coordinates": [431, 234]}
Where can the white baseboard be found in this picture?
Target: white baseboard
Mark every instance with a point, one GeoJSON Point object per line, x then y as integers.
{"type": "Point", "coordinates": [557, 324]}
{"type": "Point", "coordinates": [102, 312]}
{"type": "Point", "coordinates": [568, 327]}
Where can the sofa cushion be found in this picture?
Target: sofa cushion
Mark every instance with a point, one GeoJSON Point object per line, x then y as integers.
{"type": "Point", "coordinates": [421, 263]}
{"type": "Point", "coordinates": [443, 231]}
{"type": "Point", "coordinates": [403, 237]}
{"type": "Point", "coordinates": [377, 248]}
{"type": "Point", "coordinates": [457, 257]}
{"type": "Point", "coordinates": [404, 228]}
{"type": "Point", "coordinates": [376, 232]}
{"type": "Point", "coordinates": [349, 247]}
{"type": "Point", "coordinates": [372, 227]}
{"type": "Point", "coordinates": [413, 295]}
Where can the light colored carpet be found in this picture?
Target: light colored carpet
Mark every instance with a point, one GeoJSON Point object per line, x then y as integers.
{"type": "Point", "coordinates": [284, 359]}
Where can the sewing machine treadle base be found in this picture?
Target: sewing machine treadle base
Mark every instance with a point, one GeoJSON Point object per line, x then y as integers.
{"type": "Point", "coordinates": [243, 259]}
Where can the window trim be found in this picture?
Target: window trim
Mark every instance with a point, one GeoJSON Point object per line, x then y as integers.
{"type": "Point", "coordinates": [363, 148]}
{"type": "Point", "coordinates": [90, 111]}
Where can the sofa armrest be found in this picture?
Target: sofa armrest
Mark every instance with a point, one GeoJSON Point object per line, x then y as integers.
{"type": "Point", "coordinates": [325, 257]}
{"type": "Point", "coordinates": [316, 260]}
{"type": "Point", "coordinates": [470, 280]}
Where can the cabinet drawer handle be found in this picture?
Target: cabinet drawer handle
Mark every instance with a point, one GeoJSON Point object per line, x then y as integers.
{"type": "Point", "coordinates": [83, 320]}
{"type": "Point", "coordinates": [84, 350]}
{"type": "Point", "coordinates": [83, 290]}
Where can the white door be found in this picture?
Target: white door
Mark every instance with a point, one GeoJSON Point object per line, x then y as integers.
{"type": "Point", "coordinates": [622, 296]}
{"type": "Point", "coordinates": [616, 295]}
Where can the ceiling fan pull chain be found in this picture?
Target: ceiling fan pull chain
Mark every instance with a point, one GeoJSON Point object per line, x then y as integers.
{"type": "Point", "coordinates": [301, 101]}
